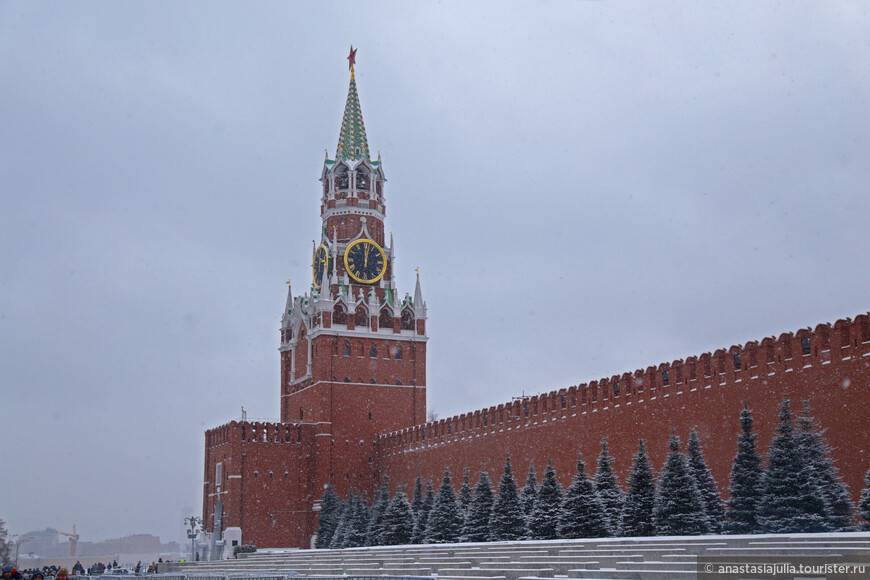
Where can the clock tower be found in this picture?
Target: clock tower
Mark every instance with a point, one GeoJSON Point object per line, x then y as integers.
{"type": "Point", "coordinates": [353, 347]}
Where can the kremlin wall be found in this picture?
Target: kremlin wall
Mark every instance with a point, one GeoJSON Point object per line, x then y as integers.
{"type": "Point", "coordinates": [353, 388]}
{"type": "Point", "coordinates": [278, 484]}
{"type": "Point", "coordinates": [829, 366]}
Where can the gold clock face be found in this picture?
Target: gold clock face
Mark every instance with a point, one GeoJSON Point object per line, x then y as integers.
{"type": "Point", "coordinates": [365, 261]}
{"type": "Point", "coordinates": [321, 263]}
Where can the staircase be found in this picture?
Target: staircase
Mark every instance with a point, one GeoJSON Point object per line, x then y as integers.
{"type": "Point", "coordinates": [651, 558]}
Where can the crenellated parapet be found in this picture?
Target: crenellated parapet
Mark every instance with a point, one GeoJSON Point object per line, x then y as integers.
{"type": "Point", "coordinates": [261, 432]}
{"type": "Point", "coordinates": [845, 343]}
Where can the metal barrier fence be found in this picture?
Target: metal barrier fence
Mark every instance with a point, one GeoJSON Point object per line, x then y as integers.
{"type": "Point", "coordinates": [269, 575]}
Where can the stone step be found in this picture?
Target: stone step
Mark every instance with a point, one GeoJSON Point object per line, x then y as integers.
{"type": "Point", "coordinates": [651, 565]}
{"type": "Point", "coordinates": [507, 574]}
{"type": "Point", "coordinates": [629, 574]}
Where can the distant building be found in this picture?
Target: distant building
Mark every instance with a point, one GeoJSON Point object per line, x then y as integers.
{"type": "Point", "coordinates": [353, 387]}
{"type": "Point", "coordinates": [48, 547]}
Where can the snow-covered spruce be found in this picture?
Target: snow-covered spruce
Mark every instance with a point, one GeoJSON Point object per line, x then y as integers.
{"type": "Point", "coordinates": [341, 527]}
{"type": "Point", "coordinates": [507, 521]}
{"type": "Point", "coordinates": [544, 521]}
{"type": "Point", "coordinates": [582, 513]}
{"type": "Point", "coordinates": [422, 519]}
{"type": "Point", "coordinates": [529, 494]}
{"type": "Point", "coordinates": [356, 534]}
{"type": "Point", "coordinates": [465, 493]}
{"type": "Point", "coordinates": [607, 487]}
{"type": "Point", "coordinates": [864, 503]}
{"type": "Point", "coordinates": [746, 476]}
{"type": "Point", "coordinates": [445, 520]}
{"type": "Point", "coordinates": [375, 531]}
{"type": "Point", "coordinates": [817, 455]}
{"type": "Point", "coordinates": [327, 519]}
{"type": "Point", "coordinates": [398, 520]}
{"type": "Point", "coordinates": [476, 528]}
{"type": "Point", "coordinates": [678, 508]}
{"type": "Point", "coordinates": [640, 499]}
{"type": "Point", "coordinates": [791, 499]}
{"type": "Point", "coordinates": [707, 487]}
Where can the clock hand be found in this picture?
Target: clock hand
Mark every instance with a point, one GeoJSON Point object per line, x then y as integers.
{"type": "Point", "coordinates": [366, 263]}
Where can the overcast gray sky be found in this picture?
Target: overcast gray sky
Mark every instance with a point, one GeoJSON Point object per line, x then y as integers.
{"type": "Point", "coordinates": [587, 188]}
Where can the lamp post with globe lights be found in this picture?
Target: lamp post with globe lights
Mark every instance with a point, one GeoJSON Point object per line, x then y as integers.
{"type": "Point", "coordinates": [195, 523]}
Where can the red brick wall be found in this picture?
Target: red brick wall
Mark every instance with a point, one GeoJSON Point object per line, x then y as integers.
{"type": "Point", "coordinates": [278, 511]}
{"type": "Point", "coordinates": [267, 486]}
{"type": "Point", "coordinates": [835, 377]}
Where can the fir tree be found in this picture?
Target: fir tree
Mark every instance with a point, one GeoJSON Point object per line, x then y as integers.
{"type": "Point", "coordinates": [864, 503]}
{"type": "Point", "coordinates": [338, 537]}
{"type": "Point", "coordinates": [582, 514]}
{"type": "Point", "coordinates": [507, 521]}
{"type": "Point", "coordinates": [5, 544]}
{"type": "Point", "coordinates": [398, 520]}
{"type": "Point", "coordinates": [465, 493]}
{"type": "Point", "coordinates": [817, 456]}
{"type": "Point", "coordinates": [746, 476]}
{"type": "Point", "coordinates": [607, 488]}
{"type": "Point", "coordinates": [476, 528]}
{"type": "Point", "coordinates": [417, 501]}
{"type": "Point", "coordinates": [710, 498]}
{"type": "Point", "coordinates": [375, 529]}
{"type": "Point", "coordinates": [529, 493]}
{"type": "Point", "coordinates": [358, 521]}
{"type": "Point", "coordinates": [637, 515]}
{"type": "Point", "coordinates": [327, 519]}
{"type": "Point", "coordinates": [544, 521]}
{"type": "Point", "coordinates": [445, 520]}
{"type": "Point", "coordinates": [679, 510]}
{"type": "Point", "coordinates": [791, 498]}
{"type": "Point", "coordinates": [422, 518]}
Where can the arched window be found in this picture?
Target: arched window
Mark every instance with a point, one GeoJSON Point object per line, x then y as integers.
{"type": "Point", "coordinates": [346, 348]}
{"type": "Point", "coordinates": [339, 314]}
{"type": "Point", "coordinates": [385, 320]}
{"type": "Point", "coordinates": [347, 379]}
{"type": "Point", "coordinates": [372, 381]}
{"type": "Point", "coordinates": [398, 353]}
{"type": "Point", "coordinates": [343, 178]}
{"type": "Point", "coordinates": [362, 179]}
{"type": "Point", "coordinates": [407, 320]}
{"type": "Point", "coordinates": [373, 352]}
{"type": "Point", "coordinates": [361, 317]}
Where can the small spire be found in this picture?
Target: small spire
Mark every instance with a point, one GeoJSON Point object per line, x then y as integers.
{"type": "Point", "coordinates": [325, 290]}
{"type": "Point", "coordinates": [419, 304]}
{"type": "Point", "coordinates": [289, 306]}
{"type": "Point", "coordinates": [418, 292]}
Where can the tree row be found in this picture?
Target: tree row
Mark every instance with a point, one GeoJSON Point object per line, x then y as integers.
{"type": "Point", "coordinates": [797, 489]}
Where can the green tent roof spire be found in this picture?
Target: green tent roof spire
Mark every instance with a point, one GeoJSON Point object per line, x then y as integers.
{"type": "Point", "coordinates": [352, 142]}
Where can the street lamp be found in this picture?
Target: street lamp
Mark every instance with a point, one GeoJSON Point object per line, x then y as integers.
{"type": "Point", "coordinates": [18, 547]}
{"type": "Point", "coordinates": [194, 522]}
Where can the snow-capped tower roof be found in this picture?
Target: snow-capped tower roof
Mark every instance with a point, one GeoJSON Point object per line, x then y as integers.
{"type": "Point", "coordinates": [419, 303]}
{"type": "Point", "coordinates": [352, 141]}
{"type": "Point", "coordinates": [288, 307]}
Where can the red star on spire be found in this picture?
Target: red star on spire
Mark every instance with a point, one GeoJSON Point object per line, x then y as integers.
{"type": "Point", "coordinates": [351, 58]}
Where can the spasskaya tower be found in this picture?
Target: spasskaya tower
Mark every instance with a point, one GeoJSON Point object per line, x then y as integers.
{"type": "Point", "coordinates": [353, 348]}
{"type": "Point", "coordinates": [353, 367]}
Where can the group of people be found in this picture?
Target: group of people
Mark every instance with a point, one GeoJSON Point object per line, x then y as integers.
{"type": "Point", "coordinates": [60, 573]}
{"type": "Point", "coordinates": [10, 573]}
